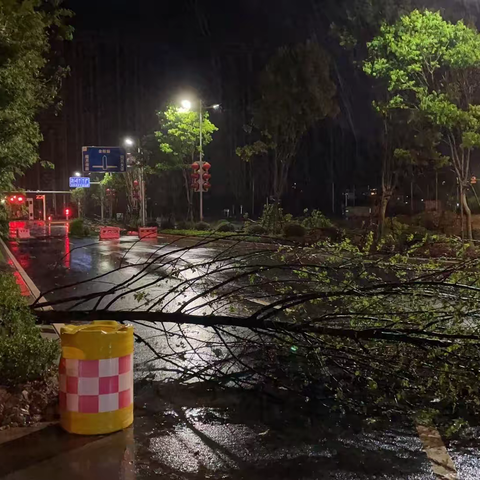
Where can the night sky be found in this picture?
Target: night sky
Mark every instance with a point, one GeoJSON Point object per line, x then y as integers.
{"type": "Point", "coordinates": [129, 59]}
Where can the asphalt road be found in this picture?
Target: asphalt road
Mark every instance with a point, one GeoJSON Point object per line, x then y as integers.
{"type": "Point", "coordinates": [196, 430]}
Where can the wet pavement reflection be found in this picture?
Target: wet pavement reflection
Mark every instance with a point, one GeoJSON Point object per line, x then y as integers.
{"type": "Point", "coordinates": [198, 431]}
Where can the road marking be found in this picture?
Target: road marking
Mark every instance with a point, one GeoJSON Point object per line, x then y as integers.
{"type": "Point", "coordinates": [442, 463]}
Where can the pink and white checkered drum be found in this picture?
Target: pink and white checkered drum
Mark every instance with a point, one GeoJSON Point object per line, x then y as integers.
{"type": "Point", "coordinates": [96, 378]}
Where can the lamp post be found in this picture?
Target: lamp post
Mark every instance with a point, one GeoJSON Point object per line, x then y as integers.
{"type": "Point", "coordinates": [129, 142]}
{"type": "Point", "coordinates": [186, 106]}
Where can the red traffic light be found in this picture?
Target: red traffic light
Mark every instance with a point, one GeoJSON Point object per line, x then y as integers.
{"type": "Point", "coordinates": [20, 199]}
{"type": "Point", "coordinates": [67, 211]}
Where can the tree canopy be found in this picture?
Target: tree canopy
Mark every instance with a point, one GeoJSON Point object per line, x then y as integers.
{"type": "Point", "coordinates": [28, 82]}
{"type": "Point", "coordinates": [429, 67]}
{"type": "Point", "coordinates": [295, 92]}
{"type": "Point", "coordinates": [179, 136]}
{"type": "Point", "coordinates": [179, 142]}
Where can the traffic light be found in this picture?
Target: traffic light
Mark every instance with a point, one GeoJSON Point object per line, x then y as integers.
{"type": "Point", "coordinates": [16, 200]}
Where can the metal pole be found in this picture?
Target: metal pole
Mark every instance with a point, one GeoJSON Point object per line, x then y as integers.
{"type": "Point", "coordinates": [201, 161]}
{"type": "Point", "coordinates": [44, 209]}
{"type": "Point", "coordinates": [142, 173]}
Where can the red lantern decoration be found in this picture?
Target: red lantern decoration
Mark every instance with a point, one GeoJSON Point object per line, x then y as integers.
{"type": "Point", "coordinates": [135, 183]}
{"type": "Point", "coordinates": [196, 186]}
{"type": "Point", "coordinates": [195, 166]}
{"type": "Point", "coordinates": [206, 166]}
{"type": "Point", "coordinates": [195, 176]}
{"type": "Point", "coordinates": [206, 177]}
{"type": "Point", "coordinates": [206, 186]}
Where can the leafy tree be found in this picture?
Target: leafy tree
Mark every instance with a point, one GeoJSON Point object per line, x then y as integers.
{"type": "Point", "coordinates": [79, 196]}
{"type": "Point", "coordinates": [295, 92]}
{"type": "Point", "coordinates": [430, 68]}
{"type": "Point", "coordinates": [178, 139]}
{"type": "Point", "coordinates": [28, 82]}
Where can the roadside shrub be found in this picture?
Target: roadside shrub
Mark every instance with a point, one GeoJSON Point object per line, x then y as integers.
{"type": "Point", "coordinates": [292, 230]}
{"type": "Point", "coordinates": [256, 230]}
{"type": "Point", "coordinates": [78, 228]}
{"type": "Point", "coordinates": [4, 227]}
{"type": "Point", "coordinates": [167, 223]}
{"type": "Point", "coordinates": [24, 354]}
{"type": "Point", "coordinates": [202, 226]}
{"type": "Point", "coordinates": [184, 225]}
{"type": "Point", "coordinates": [225, 227]}
{"type": "Point", "coordinates": [316, 219]}
{"type": "Point", "coordinates": [272, 219]}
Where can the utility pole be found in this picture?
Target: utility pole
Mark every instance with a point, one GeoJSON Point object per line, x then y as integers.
{"type": "Point", "coordinates": [201, 159]}
{"type": "Point", "coordinates": [143, 190]}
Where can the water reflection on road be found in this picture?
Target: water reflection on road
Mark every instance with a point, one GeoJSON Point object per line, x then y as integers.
{"type": "Point", "coordinates": [186, 430]}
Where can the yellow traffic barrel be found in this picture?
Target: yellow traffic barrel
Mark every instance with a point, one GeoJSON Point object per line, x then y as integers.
{"type": "Point", "coordinates": [96, 378]}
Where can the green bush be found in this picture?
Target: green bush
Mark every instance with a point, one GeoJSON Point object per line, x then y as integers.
{"type": "Point", "coordinates": [292, 230]}
{"type": "Point", "coordinates": [202, 226]}
{"type": "Point", "coordinates": [272, 219]}
{"type": "Point", "coordinates": [184, 225]}
{"type": "Point", "coordinates": [78, 228]}
{"type": "Point", "coordinates": [256, 230]}
{"type": "Point", "coordinates": [4, 223]}
{"type": "Point", "coordinates": [167, 223]}
{"type": "Point", "coordinates": [316, 219]}
{"type": "Point", "coordinates": [24, 354]}
{"type": "Point", "coordinates": [225, 227]}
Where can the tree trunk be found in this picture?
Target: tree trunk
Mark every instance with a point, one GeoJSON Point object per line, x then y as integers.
{"type": "Point", "coordinates": [382, 212]}
{"type": "Point", "coordinates": [468, 213]}
{"type": "Point", "coordinates": [188, 193]}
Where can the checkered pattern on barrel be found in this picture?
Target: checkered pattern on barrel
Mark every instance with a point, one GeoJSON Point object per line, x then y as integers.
{"type": "Point", "coordinates": [96, 386]}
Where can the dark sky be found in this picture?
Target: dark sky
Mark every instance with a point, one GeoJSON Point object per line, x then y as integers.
{"type": "Point", "coordinates": [131, 57]}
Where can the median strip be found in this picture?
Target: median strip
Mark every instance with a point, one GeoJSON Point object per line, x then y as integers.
{"type": "Point", "coordinates": [442, 463]}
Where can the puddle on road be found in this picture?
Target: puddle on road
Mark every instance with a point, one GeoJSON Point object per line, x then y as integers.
{"type": "Point", "coordinates": [199, 432]}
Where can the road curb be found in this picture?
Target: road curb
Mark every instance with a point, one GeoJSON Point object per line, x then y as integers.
{"type": "Point", "coordinates": [35, 292]}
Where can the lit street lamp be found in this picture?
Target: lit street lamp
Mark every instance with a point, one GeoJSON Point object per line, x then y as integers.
{"type": "Point", "coordinates": [186, 106]}
{"type": "Point", "coordinates": [77, 174]}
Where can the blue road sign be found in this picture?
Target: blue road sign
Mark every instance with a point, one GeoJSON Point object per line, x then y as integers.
{"type": "Point", "coordinates": [104, 159]}
{"type": "Point", "coordinates": [79, 182]}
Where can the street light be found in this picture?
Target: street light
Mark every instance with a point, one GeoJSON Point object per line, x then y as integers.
{"type": "Point", "coordinates": [186, 106]}
{"type": "Point", "coordinates": [129, 142]}
{"type": "Point", "coordinates": [77, 174]}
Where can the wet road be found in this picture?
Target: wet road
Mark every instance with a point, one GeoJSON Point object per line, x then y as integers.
{"type": "Point", "coordinates": [196, 431]}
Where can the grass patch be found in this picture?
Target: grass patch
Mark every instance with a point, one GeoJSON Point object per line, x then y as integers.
{"type": "Point", "coordinates": [216, 234]}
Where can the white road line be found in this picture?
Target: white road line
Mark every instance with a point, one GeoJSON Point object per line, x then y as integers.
{"type": "Point", "coordinates": [442, 463]}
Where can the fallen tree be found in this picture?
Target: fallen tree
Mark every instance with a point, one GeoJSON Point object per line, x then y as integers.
{"type": "Point", "coordinates": [334, 323]}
